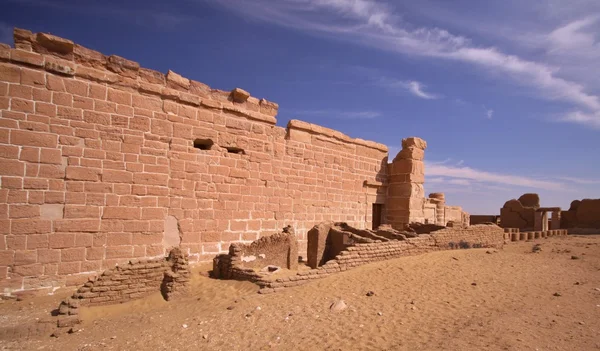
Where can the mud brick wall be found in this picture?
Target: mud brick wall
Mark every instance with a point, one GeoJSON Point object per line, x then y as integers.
{"type": "Point", "coordinates": [481, 235]}
{"type": "Point", "coordinates": [478, 236]}
{"type": "Point", "coordinates": [279, 249]}
{"type": "Point", "coordinates": [103, 161]}
{"type": "Point", "coordinates": [131, 281]}
{"type": "Point", "coordinates": [582, 214]}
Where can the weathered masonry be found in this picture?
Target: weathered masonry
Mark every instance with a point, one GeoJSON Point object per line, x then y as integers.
{"type": "Point", "coordinates": [525, 213]}
{"type": "Point", "coordinates": [103, 161]}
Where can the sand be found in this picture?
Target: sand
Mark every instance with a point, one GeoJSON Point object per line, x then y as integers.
{"type": "Point", "coordinates": [475, 299]}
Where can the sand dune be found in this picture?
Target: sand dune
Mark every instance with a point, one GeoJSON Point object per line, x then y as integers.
{"type": "Point", "coordinates": [451, 300]}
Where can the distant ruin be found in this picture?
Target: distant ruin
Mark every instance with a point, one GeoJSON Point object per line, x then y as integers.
{"type": "Point", "coordinates": [526, 214]}
{"type": "Point", "coordinates": [103, 161]}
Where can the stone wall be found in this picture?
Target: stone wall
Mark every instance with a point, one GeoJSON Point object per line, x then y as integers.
{"type": "Point", "coordinates": [102, 161]}
{"type": "Point", "coordinates": [406, 202]}
{"type": "Point", "coordinates": [520, 213]}
{"type": "Point", "coordinates": [582, 217]}
{"type": "Point", "coordinates": [277, 250]}
{"type": "Point", "coordinates": [437, 212]}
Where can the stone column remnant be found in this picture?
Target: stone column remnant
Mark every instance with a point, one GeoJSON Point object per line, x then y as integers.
{"type": "Point", "coordinates": [405, 189]}
{"type": "Point", "coordinates": [555, 224]}
{"type": "Point", "coordinates": [537, 222]}
{"type": "Point", "coordinates": [440, 207]}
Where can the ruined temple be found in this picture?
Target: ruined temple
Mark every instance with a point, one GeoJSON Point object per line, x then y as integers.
{"type": "Point", "coordinates": [103, 162]}
{"type": "Point", "coordinates": [526, 214]}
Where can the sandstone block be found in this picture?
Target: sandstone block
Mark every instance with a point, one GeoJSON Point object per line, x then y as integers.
{"type": "Point", "coordinates": [176, 81]}
{"type": "Point", "coordinates": [414, 142]}
{"type": "Point", "coordinates": [123, 66]}
{"type": "Point", "coordinates": [47, 43]}
{"type": "Point", "coordinates": [411, 153]}
{"type": "Point", "coordinates": [240, 95]}
{"type": "Point", "coordinates": [27, 57]}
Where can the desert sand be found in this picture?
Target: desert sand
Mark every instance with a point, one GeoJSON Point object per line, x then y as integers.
{"type": "Point", "coordinates": [476, 299]}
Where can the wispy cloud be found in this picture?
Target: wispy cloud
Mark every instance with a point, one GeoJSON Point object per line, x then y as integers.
{"type": "Point", "coordinates": [417, 89]}
{"type": "Point", "coordinates": [573, 36]}
{"type": "Point", "coordinates": [375, 24]}
{"type": "Point", "coordinates": [580, 180]}
{"type": "Point", "coordinates": [394, 85]}
{"type": "Point", "coordinates": [332, 113]}
{"type": "Point", "coordinates": [489, 113]}
{"type": "Point", "coordinates": [411, 86]}
{"type": "Point", "coordinates": [467, 173]}
{"type": "Point", "coordinates": [591, 120]}
{"type": "Point", "coordinates": [464, 182]}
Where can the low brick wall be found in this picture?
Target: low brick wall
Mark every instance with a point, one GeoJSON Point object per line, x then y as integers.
{"type": "Point", "coordinates": [485, 235]}
{"type": "Point", "coordinates": [280, 249]}
{"type": "Point", "coordinates": [131, 281]}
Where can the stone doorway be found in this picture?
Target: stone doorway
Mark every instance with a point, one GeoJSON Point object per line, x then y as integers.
{"type": "Point", "coordinates": [377, 215]}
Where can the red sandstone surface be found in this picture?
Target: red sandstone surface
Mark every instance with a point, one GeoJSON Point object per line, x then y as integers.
{"type": "Point", "coordinates": [508, 299]}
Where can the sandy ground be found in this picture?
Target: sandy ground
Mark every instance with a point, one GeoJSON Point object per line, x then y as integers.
{"type": "Point", "coordinates": [450, 300]}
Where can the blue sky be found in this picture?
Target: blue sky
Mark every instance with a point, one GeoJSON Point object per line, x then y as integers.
{"type": "Point", "coordinates": [506, 93]}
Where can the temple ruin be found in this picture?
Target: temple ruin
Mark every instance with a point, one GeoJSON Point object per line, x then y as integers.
{"type": "Point", "coordinates": [526, 214]}
{"type": "Point", "coordinates": [103, 162]}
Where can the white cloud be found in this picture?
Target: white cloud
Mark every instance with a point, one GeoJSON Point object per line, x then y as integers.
{"type": "Point", "coordinates": [417, 89]}
{"type": "Point", "coordinates": [489, 113]}
{"type": "Point", "coordinates": [580, 180]}
{"type": "Point", "coordinates": [467, 173]}
{"type": "Point", "coordinates": [459, 182]}
{"type": "Point", "coordinates": [571, 36]}
{"type": "Point", "coordinates": [339, 114]}
{"type": "Point", "coordinates": [375, 24]}
{"type": "Point", "coordinates": [413, 87]}
{"type": "Point", "coordinates": [589, 119]}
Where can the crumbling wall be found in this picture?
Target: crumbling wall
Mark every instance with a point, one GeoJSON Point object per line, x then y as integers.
{"type": "Point", "coordinates": [327, 239]}
{"type": "Point", "coordinates": [454, 214]}
{"type": "Point", "coordinates": [278, 250]}
{"type": "Point", "coordinates": [371, 246]}
{"type": "Point", "coordinates": [520, 213]}
{"type": "Point", "coordinates": [406, 195]}
{"type": "Point", "coordinates": [103, 161]}
{"type": "Point", "coordinates": [583, 216]}
{"type": "Point", "coordinates": [134, 280]}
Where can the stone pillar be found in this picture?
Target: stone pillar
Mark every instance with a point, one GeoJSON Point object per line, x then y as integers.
{"type": "Point", "coordinates": [537, 221]}
{"type": "Point", "coordinates": [555, 224]}
{"type": "Point", "coordinates": [544, 221]}
{"type": "Point", "coordinates": [440, 207]}
{"type": "Point", "coordinates": [406, 195]}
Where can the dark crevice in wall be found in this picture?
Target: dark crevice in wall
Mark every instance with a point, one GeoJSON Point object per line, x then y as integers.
{"type": "Point", "coordinates": [235, 150]}
{"type": "Point", "coordinates": [203, 144]}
